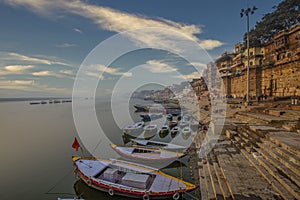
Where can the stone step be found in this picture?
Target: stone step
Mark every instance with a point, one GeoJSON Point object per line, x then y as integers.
{"type": "Point", "coordinates": [240, 174]}
{"type": "Point", "coordinates": [286, 183]}
{"type": "Point", "coordinates": [202, 181]}
{"type": "Point", "coordinates": [283, 156]}
{"type": "Point", "coordinates": [257, 161]}
{"type": "Point", "coordinates": [283, 152]}
{"type": "Point", "coordinates": [288, 140]}
{"type": "Point", "coordinates": [263, 117]}
{"type": "Point", "coordinates": [213, 178]}
{"type": "Point", "coordinates": [208, 182]}
{"type": "Point", "coordinates": [290, 171]}
{"type": "Point", "coordinates": [223, 184]}
{"type": "Point", "coordinates": [281, 168]}
{"type": "Point", "coordinates": [279, 190]}
{"type": "Point", "coordinates": [247, 119]}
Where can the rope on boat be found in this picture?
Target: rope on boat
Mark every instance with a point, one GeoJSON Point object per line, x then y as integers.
{"type": "Point", "coordinates": [59, 181]}
{"type": "Point", "coordinates": [96, 146]}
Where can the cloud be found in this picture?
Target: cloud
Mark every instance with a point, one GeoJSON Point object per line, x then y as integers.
{"type": "Point", "coordinates": [118, 21]}
{"type": "Point", "coordinates": [16, 84]}
{"type": "Point", "coordinates": [210, 44]}
{"type": "Point", "coordinates": [189, 76]}
{"type": "Point", "coordinates": [157, 66]}
{"type": "Point", "coordinates": [95, 75]}
{"type": "Point", "coordinates": [60, 74]}
{"type": "Point", "coordinates": [18, 68]}
{"type": "Point", "coordinates": [98, 70]}
{"type": "Point", "coordinates": [15, 69]}
{"type": "Point", "coordinates": [30, 86]}
{"type": "Point", "coordinates": [67, 72]}
{"type": "Point", "coordinates": [77, 30]}
{"type": "Point", "coordinates": [112, 71]}
{"type": "Point", "coordinates": [19, 57]}
{"type": "Point", "coordinates": [65, 45]}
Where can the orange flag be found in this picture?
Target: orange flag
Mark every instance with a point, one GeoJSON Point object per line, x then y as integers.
{"type": "Point", "coordinates": [75, 144]}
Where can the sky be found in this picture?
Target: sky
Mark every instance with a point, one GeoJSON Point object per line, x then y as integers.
{"type": "Point", "coordinates": [43, 43]}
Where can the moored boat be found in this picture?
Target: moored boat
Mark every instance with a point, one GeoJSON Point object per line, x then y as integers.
{"type": "Point", "coordinates": [174, 131]}
{"type": "Point", "coordinates": [152, 116]}
{"type": "Point", "coordinates": [186, 132]}
{"type": "Point", "coordinates": [34, 103]}
{"type": "Point", "coordinates": [146, 154]}
{"type": "Point", "coordinates": [129, 179]}
{"type": "Point", "coordinates": [183, 124]}
{"type": "Point", "coordinates": [194, 125]}
{"type": "Point", "coordinates": [157, 144]}
{"type": "Point", "coordinates": [135, 129]}
{"type": "Point", "coordinates": [169, 117]}
{"type": "Point", "coordinates": [173, 123]}
{"type": "Point", "coordinates": [150, 130]}
{"type": "Point", "coordinates": [164, 131]}
{"type": "Point", "coordinates": [141, 108]}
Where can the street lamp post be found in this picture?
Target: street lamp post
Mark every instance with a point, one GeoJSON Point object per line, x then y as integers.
{"type": "Point", "coordinates": [247, 12]}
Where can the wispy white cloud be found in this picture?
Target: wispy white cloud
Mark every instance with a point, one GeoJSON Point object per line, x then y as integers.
{"type": "Point", "coordinates": [99, 71]}
{"type": "Point", "coordinates": [118, 21]}
{"type": "Point", "coordinates": [12, 56]}
{"type": "Point", "coordinates": [210, 44]}
{"type": "Point", "coordinates": [95, 75]}
{"type": "Point", "coordinates": [66, 45]}
{"type": "Point", "coordinates": [18, 68]}
{"type": "Point", "coordinates": [189, 76]}
{"type": "Point", "coordinates": [16, 82]}
{"type": "Point", "coordinates": [60, 74]}
{"type": "Point", "coordinates": [30, 86]}
{"type": "Point", "coordinates": [15, 69]}
{"type": "Point", "coordinates": [158, 66]}
{"type": "Point", "coordinates": [67, 72]}
{"type": "Point", "coordinates": [77, 30]}
{"type": "Point", "coordinates": [45, 73]}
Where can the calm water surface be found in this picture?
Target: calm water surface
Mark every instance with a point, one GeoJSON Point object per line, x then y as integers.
{"type": "Point", "coordinates": [36, 151]}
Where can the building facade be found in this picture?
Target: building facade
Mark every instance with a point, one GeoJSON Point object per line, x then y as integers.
{"type": "Point", "coordinates": [274, 68]}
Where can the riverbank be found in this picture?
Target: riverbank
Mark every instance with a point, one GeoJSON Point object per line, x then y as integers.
{"type": "Point", "coordinates": [257, 155]}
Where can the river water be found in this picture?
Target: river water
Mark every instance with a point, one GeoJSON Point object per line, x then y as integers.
{"type": "Point", "coordinates": [36, 152]}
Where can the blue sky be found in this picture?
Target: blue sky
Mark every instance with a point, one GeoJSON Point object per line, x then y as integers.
{"type": "Point", "coordinates": [44, 42]}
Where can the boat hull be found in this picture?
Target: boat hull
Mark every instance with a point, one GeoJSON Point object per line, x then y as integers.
{"type": "Point", "coordinates": [112, 189]}
{"type": "Point", "coordinates": [133, 195]}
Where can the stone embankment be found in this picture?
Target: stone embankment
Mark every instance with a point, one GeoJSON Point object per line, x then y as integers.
{"type": "Point", "coordinates": [256, 157]}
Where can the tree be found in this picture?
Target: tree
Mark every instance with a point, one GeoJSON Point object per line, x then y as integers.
{"type": "Point", "coordinates": [285, 15]}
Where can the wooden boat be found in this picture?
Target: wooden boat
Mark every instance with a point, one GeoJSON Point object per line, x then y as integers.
{"type": "Point", "coordinates": [194, 125]}
{"type": "Point", "coordinates": [135, 129]}
{"type": "Point", "coordinates": [183, 124]}
{"type": "Point", "coordinates": [169, 117]}
{"type": "Point", "coordinates": [157, 144]}
{"type": "Point", "coordinates": [186, 132]}
{"type": "Point", "coordinates": [144, 153]}
{"type": "Point", "coordinates": [152, 116]}
{"type": "Point", "coordinates": [129, 179]}
{"type": "Point", "coordinates": [173, 123]}
{"type": "Point", "coordinates": [164, 131]}
{"type": "Point", "coordinates": [150, 130]}
{"type": "Point", "coordinates": [174, 131]}
{"type": "Point", "coordinates": [34, 103]}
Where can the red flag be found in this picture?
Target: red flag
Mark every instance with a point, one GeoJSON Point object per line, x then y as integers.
{"type": "Point", "coordinates": [75, 144]}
